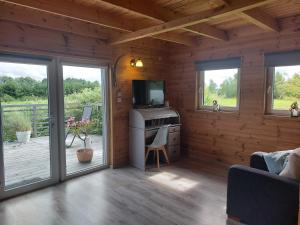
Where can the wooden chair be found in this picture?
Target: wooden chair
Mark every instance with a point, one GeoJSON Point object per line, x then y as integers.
{"type": "Point", "coordinates": [158, 145]}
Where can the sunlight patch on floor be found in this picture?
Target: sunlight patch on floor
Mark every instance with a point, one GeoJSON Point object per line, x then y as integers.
{"type": "Point", "coordinates": [174, 181]}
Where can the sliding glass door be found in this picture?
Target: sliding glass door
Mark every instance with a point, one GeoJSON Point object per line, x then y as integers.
{"type": "Point", "coordinates": [28, 149]}
{"type": "Point", "coordinates": [52, 122]}
{"type": "Point", "coordinates": [85, 118]}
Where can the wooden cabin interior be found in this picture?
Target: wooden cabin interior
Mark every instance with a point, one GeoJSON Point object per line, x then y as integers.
{"type": "Point", "coordinates": [149, 112]}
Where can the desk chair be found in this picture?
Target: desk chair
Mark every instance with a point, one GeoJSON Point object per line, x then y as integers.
{"type": "Point", "coordinates": [158, 144]}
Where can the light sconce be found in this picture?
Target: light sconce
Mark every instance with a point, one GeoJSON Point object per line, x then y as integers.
{"type": "Point", "coordinates": [136, 63]}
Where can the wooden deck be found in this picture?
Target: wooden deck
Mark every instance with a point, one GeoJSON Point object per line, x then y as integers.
{"type": "Point", "coordinates": [27, 163]}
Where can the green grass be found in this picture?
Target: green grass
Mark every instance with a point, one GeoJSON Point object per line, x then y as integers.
{"type": "Point", "coordinates": [229, 102]}
{"type": "Point", "coordinates": [29, 102]}
{"type": "Point", "coordinates": [283, 104]}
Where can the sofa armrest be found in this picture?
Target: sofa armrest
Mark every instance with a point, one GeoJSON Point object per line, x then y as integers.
{"type": "Point", "coordinates": [257, 161]}
{"type": "Point", "coordinates": [258, 197]}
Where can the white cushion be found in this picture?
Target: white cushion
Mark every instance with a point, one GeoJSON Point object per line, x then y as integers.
{"type": "Point", "coordinates": [292, 168]}
{"type": "Point", "coordinates": [297, 151]}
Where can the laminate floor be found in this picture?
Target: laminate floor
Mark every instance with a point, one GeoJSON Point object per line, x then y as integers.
{"type": "Point", "coordinates": [184, 193]}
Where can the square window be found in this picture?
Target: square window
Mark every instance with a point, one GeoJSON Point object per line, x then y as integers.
{"type": "Point", "coordinates": [221, 85]}
{"type": "Point", "coordinates": [283, 88]}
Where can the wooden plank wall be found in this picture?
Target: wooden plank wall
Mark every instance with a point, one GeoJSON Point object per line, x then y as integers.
{"type": "Point", "coordinates": [233, 137]}
{"type": "Point", "coordinates": [155, 62]}
{"type": "Point", "coordinates": [22, 38]}
{"type": "Point", "coordinates": [227, 137]}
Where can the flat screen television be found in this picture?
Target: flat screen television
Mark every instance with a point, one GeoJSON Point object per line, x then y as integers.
{"type": "Point", "coordinates": [148, 93]}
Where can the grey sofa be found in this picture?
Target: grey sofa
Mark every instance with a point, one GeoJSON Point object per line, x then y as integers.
{"type": "Point", "coordinates": [257, 197]}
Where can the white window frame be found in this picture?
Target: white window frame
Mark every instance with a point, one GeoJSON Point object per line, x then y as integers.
{"type": "Point", "coordinates": [200, 83]}
{"type": "Point", "coordinates": [269, 92]}
{"type": "Point", "coordinates": [272, 60]}
{"type": "Point", "coordinates": [88, 63]}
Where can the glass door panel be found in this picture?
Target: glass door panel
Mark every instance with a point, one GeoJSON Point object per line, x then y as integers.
{"type": "Point", "coordinates": [83, 111]}
{"type": "Point", "coordinates": [26, 124]}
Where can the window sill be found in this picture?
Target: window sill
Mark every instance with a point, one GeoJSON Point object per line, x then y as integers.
{"type": "Point", "coordinates": [236, 112]}
{"type": "Point", "coordinates": [281, 117]}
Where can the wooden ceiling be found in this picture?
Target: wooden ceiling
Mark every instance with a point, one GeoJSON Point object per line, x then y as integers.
{"type": "Point", "coordinates": [180, 21]}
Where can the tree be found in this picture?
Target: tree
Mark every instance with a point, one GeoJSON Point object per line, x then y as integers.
{"type": "Point", "coordinates": [72, 85]}
{"type": "Point", "coordinates": [25, 87]}
{"type": "Point", "coordinates": [212, 87]}
{"type": "Point", "coordinates": [279, 86]}
{"type": "Point", "coordinates": [8, 86]}
{"type": "Point", "coordinates": [41, 88]}
{"type": "Point", "coordinates": [292, 86]}
{"type": "Point", "coordinates": [228, 88]}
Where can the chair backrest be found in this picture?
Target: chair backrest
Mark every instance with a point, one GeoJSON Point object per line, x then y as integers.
{"type": "Point", "coordinates": [161, 136]}
{"type": "Point", "coordinates": [87, 112]}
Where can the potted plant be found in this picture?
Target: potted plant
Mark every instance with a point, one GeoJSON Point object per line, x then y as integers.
{"type": "Point", "coordinates": [294, 109]}
{"type": "Point", "coordinates": [22, 126]}
{"type": "Point", "coordinates": [80, 129]}
{"type": "Point", "coordinates": [216, 106]}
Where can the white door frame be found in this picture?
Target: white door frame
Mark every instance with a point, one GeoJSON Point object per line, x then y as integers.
{"type": "Point", "coordinates": [91, 63]}
{"type": "Point", "coordinates": [56, 112]}
{"type": "Point", "coordinates": [52, 111]}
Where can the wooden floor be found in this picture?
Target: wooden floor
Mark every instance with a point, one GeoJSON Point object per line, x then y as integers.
{"type": "Point", "coordinates": [184, 193]}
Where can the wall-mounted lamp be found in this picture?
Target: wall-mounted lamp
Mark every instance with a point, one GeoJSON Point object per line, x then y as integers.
{"type": "Point", "coordinates": [136, 63]}
{"type": "Point", "coordinates": [133, 62]}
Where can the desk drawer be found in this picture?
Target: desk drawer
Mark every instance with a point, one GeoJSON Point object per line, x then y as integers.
{"type": "Point", "coordinates": [174, 129]}
{"type": "Point", "coordinates": [174, 152]}
{"type": "Point", "coordinates": [174, 138]}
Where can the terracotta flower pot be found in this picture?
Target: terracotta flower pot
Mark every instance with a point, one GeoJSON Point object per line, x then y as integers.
{"type": "Point", "coordinates": [85, 155]}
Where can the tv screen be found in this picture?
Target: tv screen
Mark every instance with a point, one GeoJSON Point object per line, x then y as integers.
{"type": "Point", "coordinates": [148, 93]}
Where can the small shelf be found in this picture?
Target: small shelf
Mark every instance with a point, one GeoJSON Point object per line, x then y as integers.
{"type": "Point", "coordinates": [280, 117]}
{"type": "Point", "coordinates": [156, 127]}
{"type": "Point", "coordinates": [234, 112]}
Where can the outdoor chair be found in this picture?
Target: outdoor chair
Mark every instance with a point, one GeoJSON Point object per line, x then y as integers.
{"type": "Point", "coordinates": [158, 144]}
{"type": "Point", "coordinates": [86, 115]}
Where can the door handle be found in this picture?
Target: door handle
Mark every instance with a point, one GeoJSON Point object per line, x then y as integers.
{"type": "Point", "coordinates": [51, 120]}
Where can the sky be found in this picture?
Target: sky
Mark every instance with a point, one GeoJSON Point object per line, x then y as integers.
{"type": "Point", "coordinates": [39, 72]}
{"type": "Point", "coordinates": [288, 71]}
{"type": "Point", "coordinates": [90, 74]}
{"type": "Point", "coordinates": [15, 70]}
{"type": "Point", "coordinates": [218, 76]}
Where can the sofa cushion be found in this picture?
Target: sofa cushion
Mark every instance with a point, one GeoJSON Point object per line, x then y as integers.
{"type": "Point", "coordinates": [257, 161]}
{"type": "Point", "coordinates": [292, 168]}
{"type": "Point", "coordinates": [276, 161]}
